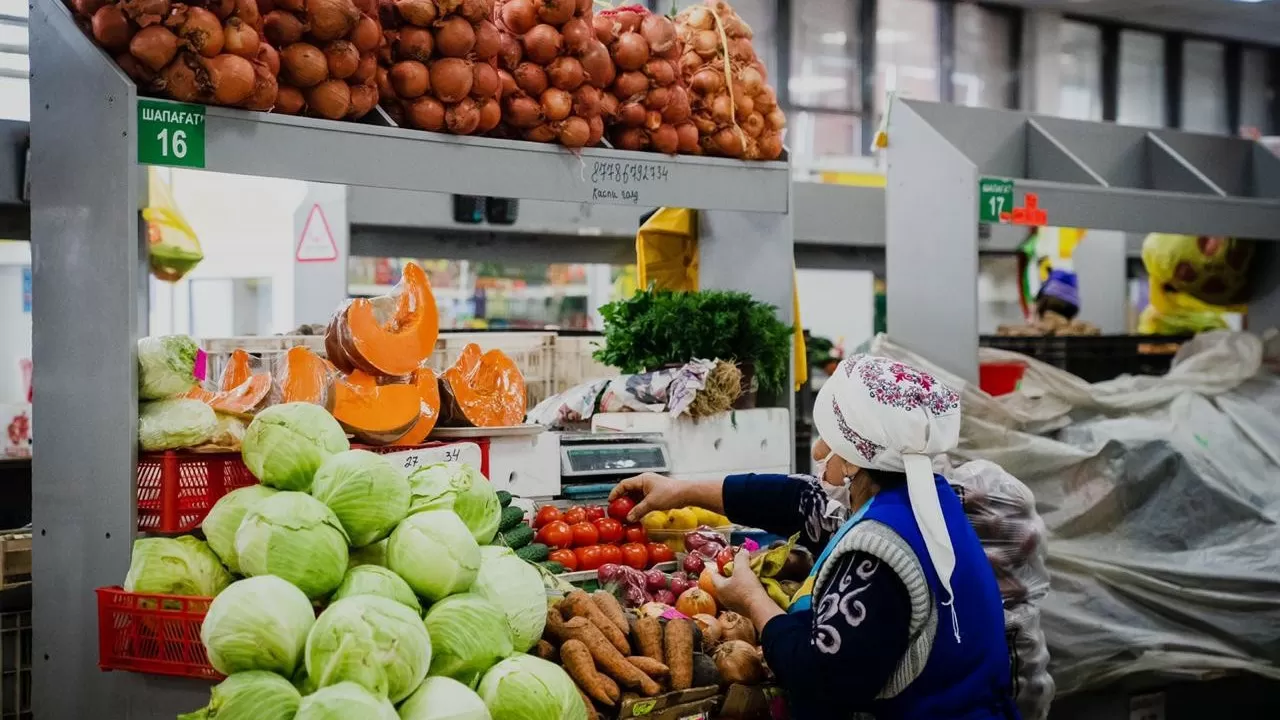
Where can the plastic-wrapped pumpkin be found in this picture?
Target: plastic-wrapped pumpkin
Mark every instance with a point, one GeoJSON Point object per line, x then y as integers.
{"type": "Point", "coordinates": [389, 335]}
{"type": "Point", "coordinates": [482, 390]}
{"type": "Point", "coordinates": [375, 413]}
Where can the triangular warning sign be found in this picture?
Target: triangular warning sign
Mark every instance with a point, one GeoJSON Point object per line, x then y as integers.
{"type": "Point", "coordinates": [316, 243]}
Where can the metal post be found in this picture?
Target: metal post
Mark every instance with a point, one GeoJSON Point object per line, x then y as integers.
{"type": "Point", "coordinates": [320, 248]}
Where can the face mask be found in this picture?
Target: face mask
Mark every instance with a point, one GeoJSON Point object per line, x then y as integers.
{"type": "Point", "coordinates": [838, 498]}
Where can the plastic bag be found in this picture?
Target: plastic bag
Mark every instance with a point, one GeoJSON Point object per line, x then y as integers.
{"type": "Point", "coordinates": [173, 247]}
{"type": "Point", "coordinates": [173, 424]}
{"type": "Point", "coordinates": [1193, 282]}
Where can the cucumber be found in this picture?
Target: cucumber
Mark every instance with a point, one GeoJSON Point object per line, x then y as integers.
{"type": "Point", "coordinates": [554, 568]}
{"type": "Point", "coordinates": [516, 537]}
{"type": "Point", "coordinates": [511, 517]}
{"type": "Point", "coordinates": [534, 553]}
{"type": "Point", "coordinates": [504, 498]}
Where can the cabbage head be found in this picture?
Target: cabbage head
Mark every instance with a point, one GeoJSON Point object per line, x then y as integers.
{"type": "Point", "coordinates": [345, 701]}
{"type": "Point", "coordinates": [258, 623]}
{"type": "Point", "coordinates": [516, 588]}
{"type": "Point", "coordinates": [285, 444]}
{"type": "Point", "coordinates": [375, 554]}
{"type": "Point", "coordinates": [459, 487]}
{"type": "Point", "coordinates": [468, 636]}
{"type": "Point", "coordinates": [374, 580]}
{"type": "Point", "coordinates": [524, 687]}
{"type": "Point", "coordinates": [175, 566]}
{"type": "Point", "coordinates": [370, 640]}
{"type": "Point", "coordinates": [166, 366]}
{"type": "Point", "coordinates": [442, 698]}
{"type": "Point", "coordinates": [294, 536]}
{"type": "Point", "coordinates": [224, 519]}
{"type": "Point", "coordinates": [367, 493]}
{"type": "Point", "coordinates": [173, 424]}
{"type": "Point", "coordinates": [435, 553]}
{"type": "Point", "coordinates": [251, 695]}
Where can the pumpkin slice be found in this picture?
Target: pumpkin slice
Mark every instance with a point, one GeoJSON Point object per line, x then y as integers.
{"type": "Point", "coordinates": [246, 398]}
{"type": "Point", "coordinates": [429, 410]}
{"type": "Point", "coordinates": [389, 335]}
{"type": "Point", "coordinates": [482, 390]}
{"type": "Point", "coordinates": [237, 371]}
{"type": "Point", "coordinates": [375, 414]}
{"type": "Point", "coordinates": [307, 377]}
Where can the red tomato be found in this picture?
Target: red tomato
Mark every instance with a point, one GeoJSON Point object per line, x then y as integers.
{"type": "Point", "coordinates": [635, 534]}
{"type": "Point", "coordinates": [660, 553]}
{"type": "Point", "coordinates": [635, 555]}
{"type": "Point", "coordinates": [590, 557]}
{"type": "Point", "coordinates": [594, 512]}
{"type": "Point", "coordinates": [584, 534]}
{"type": "Point", "coordinates": [611, 554]}
{"type": "Point", "coordinates": [610, 530]}
{"type": "Point", "coordinates": [546, 514]}
{"type": "Point", "coordinates": [619, 508]}
{"type": "Point", "coordinates": [724, 557]}
{"type": "Point", "coordinates": [575, 515]}
{"type": "Point", "coordinates": [567, 558]}
{"type": "Point", "coordinates": [556, 534]}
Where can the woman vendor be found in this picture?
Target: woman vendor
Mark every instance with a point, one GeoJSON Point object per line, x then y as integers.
{"type": "Point", "coordinates": [901, 617]}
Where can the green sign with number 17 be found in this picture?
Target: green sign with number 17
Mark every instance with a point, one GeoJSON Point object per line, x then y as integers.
{"type": "Point", "coordinates": [170, 133]}
{"type": "Point", "coordinates": [995, 196]}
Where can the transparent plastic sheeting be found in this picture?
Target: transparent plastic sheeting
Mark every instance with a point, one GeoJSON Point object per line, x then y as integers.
{"type": "Point", "coordinates": [1161, 497]}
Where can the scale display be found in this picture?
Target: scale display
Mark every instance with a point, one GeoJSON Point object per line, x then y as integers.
{"type": "Point", "coordinates": [613, 459]}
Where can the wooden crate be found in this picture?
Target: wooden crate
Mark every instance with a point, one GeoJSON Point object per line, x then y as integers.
{"type": "Point", "coordinates": [15, 559]}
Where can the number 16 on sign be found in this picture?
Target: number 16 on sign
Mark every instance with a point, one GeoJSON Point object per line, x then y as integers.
{"type": "Point", "coordinates": [170, 133]}
{"type": "Point", "coordinates": [995, 196]}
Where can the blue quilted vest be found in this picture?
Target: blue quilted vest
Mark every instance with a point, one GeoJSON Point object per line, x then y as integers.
{"type": "Point", "coordinates": [966, 680]}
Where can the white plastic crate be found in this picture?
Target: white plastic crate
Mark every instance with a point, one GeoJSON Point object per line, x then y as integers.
{"type": "Point", "coordinates": [269, 348]}
{"type": "Point", "coordinates": [15, 665]}
{"type": "Point", "coordinates": [574, 364]}
{"type": "Point", "coordinates": [533, 353]}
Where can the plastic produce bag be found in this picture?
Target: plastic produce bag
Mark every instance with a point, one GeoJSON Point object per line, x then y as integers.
{"type": "Point", "coordinates": [173, 247]}
{"type": "Point", "coordinates": [168, 366]}
{"type": "Point", "coordinates": [1193, 282]}
{"type": "Point", "coordinates": [175, 423]}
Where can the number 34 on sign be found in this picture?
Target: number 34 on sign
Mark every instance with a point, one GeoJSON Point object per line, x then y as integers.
{"type": "Point", "coordinates": [170, 133]}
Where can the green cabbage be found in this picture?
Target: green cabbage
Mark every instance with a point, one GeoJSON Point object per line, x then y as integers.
{"type": "Point", "coordinates": [468, 636]}
{"type": "Point", "coordinates": [224, 519]}
{"type": "Point", "coordinates": [367, 493]}
{"type": "Point", "coordinates": [252, 695]}
{"type": "Point", "coordinates": [516, 588]}
{"type": "Point", "coordinates": [370, 640]}
{"type": "Point", "coordinates": [345, 701]}
{"type": "Point", "coordinates": [459, 487]}
{"type": "Point", "coordinates": [524, 687]}
{"type": "Point", "coordinates": [173, 424]}
{"type": "Point", "coordinates": [175, 566]}
{"type": "Point", "coordinates": [442, 698]}
{"type": "Point", "coordinates": [294, 536]}
{"type": "Point", "coordinates": [374, 580]}
{"type": "Point", "coordinates": [228, 432]}
{"type": "Point", "coordinates": [258, 623]}
{"type": "Point", "coordinates": [166, 366]}
{"type": "Point", "coordinates": [435, 553]}
{"type": "Point", "coordinates": [375, 554]}
{"type": "Point", "coordinates": [285, 444]}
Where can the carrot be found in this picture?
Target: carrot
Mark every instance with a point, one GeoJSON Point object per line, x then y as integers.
{"type": "Point", "coordinates": [577, 661]}
{"type": "Point", "coordinates": [608, 658]}
{"type": "Point", "coordinates": [608, 605]}
{"type": "Point", "coordinates": [649, 666]}
{"type": "Point", "coordinates": [546, 651]}
{"type": "Point", "coordinates": [609, 685]}
{"type": "Point", "coordinates": [649, 638]}
{"type": "Point", "coordinates": [591, 708]}
{"type": "Point", "coordinates": [579, 604]}
{"type": "Point", "coordinates": [679, 645]}
{"type": "Point", "coordinates": [555, 625]}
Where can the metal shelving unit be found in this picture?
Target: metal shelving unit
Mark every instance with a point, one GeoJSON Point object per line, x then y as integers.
{"type": "Point", "coordinates": [1084, 174]}
{"type": "Point", "coordinates": [91, 280]}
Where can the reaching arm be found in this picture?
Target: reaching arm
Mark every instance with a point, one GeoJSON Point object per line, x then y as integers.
{"type": "Point", "coordinates": [781, 504]}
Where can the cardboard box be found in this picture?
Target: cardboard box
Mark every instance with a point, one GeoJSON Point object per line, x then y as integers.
{"type": "Point", "coordinates": [676, 705]}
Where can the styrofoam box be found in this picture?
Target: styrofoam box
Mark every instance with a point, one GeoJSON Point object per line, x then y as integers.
{"type": "Point", "coordinates": [739, 441]}
{"type": "Point", "coordinates": [526, 465]}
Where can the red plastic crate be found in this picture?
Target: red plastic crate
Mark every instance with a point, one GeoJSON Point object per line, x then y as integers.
{"type": "Point", "coordinates": [177, 489]}
{"type": "Point", "coordinates": [156, 634]}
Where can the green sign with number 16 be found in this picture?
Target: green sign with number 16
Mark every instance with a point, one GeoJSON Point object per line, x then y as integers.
{"type": "Point", "coordinates": [170, 133]}
{"type": "Point", "coordinates": [995, 196]}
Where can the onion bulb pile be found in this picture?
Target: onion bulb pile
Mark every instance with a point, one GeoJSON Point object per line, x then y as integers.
{"type": "Point", "coordinates": [438, 69]}
{"type": "Point", "coordinates": [648, 104]}
{"type": "Point", "coordinates": [553, 70]}
{"type": "Point", "coordinates": [736, 115]}
{"type": "Point", "coordinates": [328, 56]}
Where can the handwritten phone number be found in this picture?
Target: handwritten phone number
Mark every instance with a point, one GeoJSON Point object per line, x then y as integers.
{"type": "Point", "coordinates": [627, 173]}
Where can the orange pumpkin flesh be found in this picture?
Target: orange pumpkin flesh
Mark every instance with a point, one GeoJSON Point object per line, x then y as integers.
{"type": "Point", "coordinates": [375, 414]}
{"type": "Point", "coordinates": [306, 377]}
{"type": "Point", "coordinates": [482, 390]}
{"type": "Point", "coordinates": [429, 410]}
{"type": "Point", "coordinates": [237, 370]}
{"type": "Point", "coordinates": [388, 335]}
{"type": "Point", "coordinates": [242, 392]}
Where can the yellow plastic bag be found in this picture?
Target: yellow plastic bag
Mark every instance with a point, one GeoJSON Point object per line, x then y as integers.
{"type": "Point", "coordinates": [1193, 282]}
{"type": "Point", "coordinates": [173, 248]}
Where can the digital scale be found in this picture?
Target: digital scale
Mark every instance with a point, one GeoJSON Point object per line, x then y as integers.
{"type": "Point", "coordinates": [591, 464]}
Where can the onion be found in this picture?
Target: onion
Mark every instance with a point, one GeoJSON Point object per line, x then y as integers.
{"type": "Point", "coordinates": [706, 82]}
{"type": "Point", "coordinates": [753, 124]}
{"type": "Point", "coordinates": [574, 132]}
{"type": "Point", "coordinates": [426, 113]}
{"type": "Point", "coordinates": [586, 102]}
{"type": "Point", "coordinates": [556, 104]}
{"type": "Point", "coordinates": [662, 72]}
{"type": "Point", "coordinates": [556, 12]}
{"type": "Point", "coordinates": [751, 80]}
{"type": "Point", "coordinates": [652, 120]}
{"type": "Point", "coordinates": [363, 98]}
{"type": "Point", "coordinates": [386, 91]}
{"type": "Point", "coordinates": [519, 16]}
{"type": "Point", "coordinates": [143, 12]}
{"type": "Point", "coordinates": [631, 139]}
{"type": "Point", "coordinates": [730, 143]}
{"type": "Point", "coordinates": [303, 65]}
{"type": "Point", "coordinates": [394, 110]}
{"type": "Point", "coordinates": [710, 628]}
{"type": "Point", "coordinates": [342, 58]}
{"type": "Point", "coordinates": [597, 65]}
{"type": "Point", "coordinates": [540, 133]}
{"type": "Point", "coordinates": [691, 62]}
{"type": "Point", "coordinates": [531, 78]}
{"type": "Point", "coordinates": [722, 109]}
{"type": "Point", "coordinates": [155, 46]}
{"type": "Point", "coordinates": [87, 8]}
{"type": "Point", "coordinates": [566, 73]}
{"type": "Point", "coordinates": [631, 114]}
{"type": "Point", "coordinates": [677, 108]}
{"type": "Point", "coordinates": [417, 12]}
{"type": "Point", "coordinates": [265, 89]}
{"type": "Point", "coordinates": [268, 56]}
{"type": "Point", "coordinates": [522, 112]}
{"type": "Point", "coordinates": [462, 118]}
{"type": "Point", "coordinates": [775, 119]}
{"type": "Point", "coordinates": [742, 103]}
{"type": "Point", "coordinates": [386, 51]}
{"type": "Point", "coordinates": [454, 37]}
{"type": "Point", "coordinates": [510, 53]}
{"type": "Point", "coordinates": [414, 43]}
{"type": "Point", "coordinates": [488, 40]}
{"type": "Point", "coordinates": [200, 28]}
{"type": "Point", "coordinates": [330, 99]}
{"type": "Point", "coordinates": [239, 38]}
{"type": "Point", "coordinates": [330, 20]}
{"type": "Point", "coordinates": [630, 85]}
{"type": "Point", "coordinates": [133, 67]}
{"type": "Point", "coordinates": [734, 27]}
{"type": "Point", "coordinates": [231, 77]}
{"type": "Point", "coordinates": [608, 105]}
{"type": "Point", "coordinates": [246, 10]}
{"type": "Point", "coordinates": [474, 10]}
{"type": "Point", "coordinates": [687, 135]}
{"type": "Point", "coordinates": [289, 100]}
{"type": "Point", "coordinates": [577, 35]}
{"type": "Point", "coordinates": [447, 7]}
{"type": "Point", "coordinates": [450, 79]}
{"type": "Point", "coordinates": [740, 49]}
{"type": "Point", "coordinates": [603, 29]}
{"type": "Point", "coordinates": [291, 5]}
{"type": "Point", "coordinates": [596, 125]}
{"type": "Point", "coordinates": [367, 36]}
{"type": "Point", "coordinates": [706, 43]}
{"type": "Point", "coordinates": [282, 28]}
{"type": "Point", "coordinates": [659, 32]}
{"type": "Point", "coordinates": [628, 21]}
{"type": "Point", "coordinates": [507, 82]}
{"type": "Point", "coordinates": [770, 146]}
{"type": "Point", "coordinates": [365, 71]}
{"type": "Point", "coordinates": [665, 139]}
{"type": "Point", "coordinates": [410, 79]}
{"type": "Point", "coordinates": [740, 662]}
{"type": "Point", "coordinates": [484, 81]}
{"type": "Point", "coordinates": [704, 124]}
{"type": "Point", "coordinates": [542, 44]}
{"type": "Point", "coordinates": [111, 28]}
{"type": "Point", "coordinates": [367, 7]}
{"type": "Point", "coordinates": [179, 79]}
{"type": "Point", "coordinates": [737, 627]}
{"type": "Point", "coordinates": [221, 9]}
{"type": "Point", "coordinates": [630, 51]}
{"type": "Point", "coordinates": [766, 100]}
{"type": "Point", "coordinates": [657, 98]}
{"type": "Point", "coordinates": [490, 115]}
{"type": "Point", "coordinates": [584, 8]}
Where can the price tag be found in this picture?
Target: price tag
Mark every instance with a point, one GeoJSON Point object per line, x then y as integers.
{"type": "Point", "coordinates": [411, 460]}
{"type": "Point", "coordinates": [170, 134]}
{"type": "Point", "coordinates": [995, 196]}
{"type": "Point", "coordinates": [623, 182]}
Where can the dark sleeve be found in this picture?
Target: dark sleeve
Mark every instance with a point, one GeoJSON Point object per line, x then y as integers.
{"type": "Point", "coordinates": [782, 505]}
{"type": "Point", "coordinates": [842, 653]}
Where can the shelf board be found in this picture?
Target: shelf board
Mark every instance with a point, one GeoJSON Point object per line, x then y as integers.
{"type": "Point", "coordinates": [532, 292]}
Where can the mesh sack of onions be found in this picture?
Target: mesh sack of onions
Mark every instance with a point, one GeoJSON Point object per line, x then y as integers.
{"type": "Point", "coordinates": [554, 71]}
{"type": "Point", "coordinates": [647, 106]}
{"type": "Point", "coordinates": [734, 109]}
{"type": "Point", "coordinates": [208, 52]}
{"type": "Point", "coordinates": [328, 56]}
{"type": "Point", "coordinates": [438, 67]}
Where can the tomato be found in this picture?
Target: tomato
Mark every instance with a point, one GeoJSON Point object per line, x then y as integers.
{"type": "Point", "coordinates": [567, 558]}
{"type": "Point", "coordinates": [546, 514]}
{"type": "Point", "coordinates": [635, 555]}
{"type": "Point", "coordinates": [575, 515]}
{"type": "Point", "coordinates": [660, 553]}
{"type": "Point", "coordinates": [610, 530]}
{"type": "Point", "coordinates": [724, 557]}
{"type": "Point", "coordinates": [556, 534]}
{"type": "Point", "coordinates": [620, 507]}
{"type": "Point", "coordinates": [611, 554]}
{"type": "Point", "coordinates": [584, 534]}
{"type": "Point", "coordinates": [635, 534]}
{"type": "Point", "coordinates": [590, 557]}
{"type": "Point", "coordinates": [594, 513]}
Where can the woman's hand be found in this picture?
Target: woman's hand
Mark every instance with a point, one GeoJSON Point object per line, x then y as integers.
{"type": "Point", "coordinates": [656, 492]}
{"type": "Point", "coordinates": [743, 593]}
